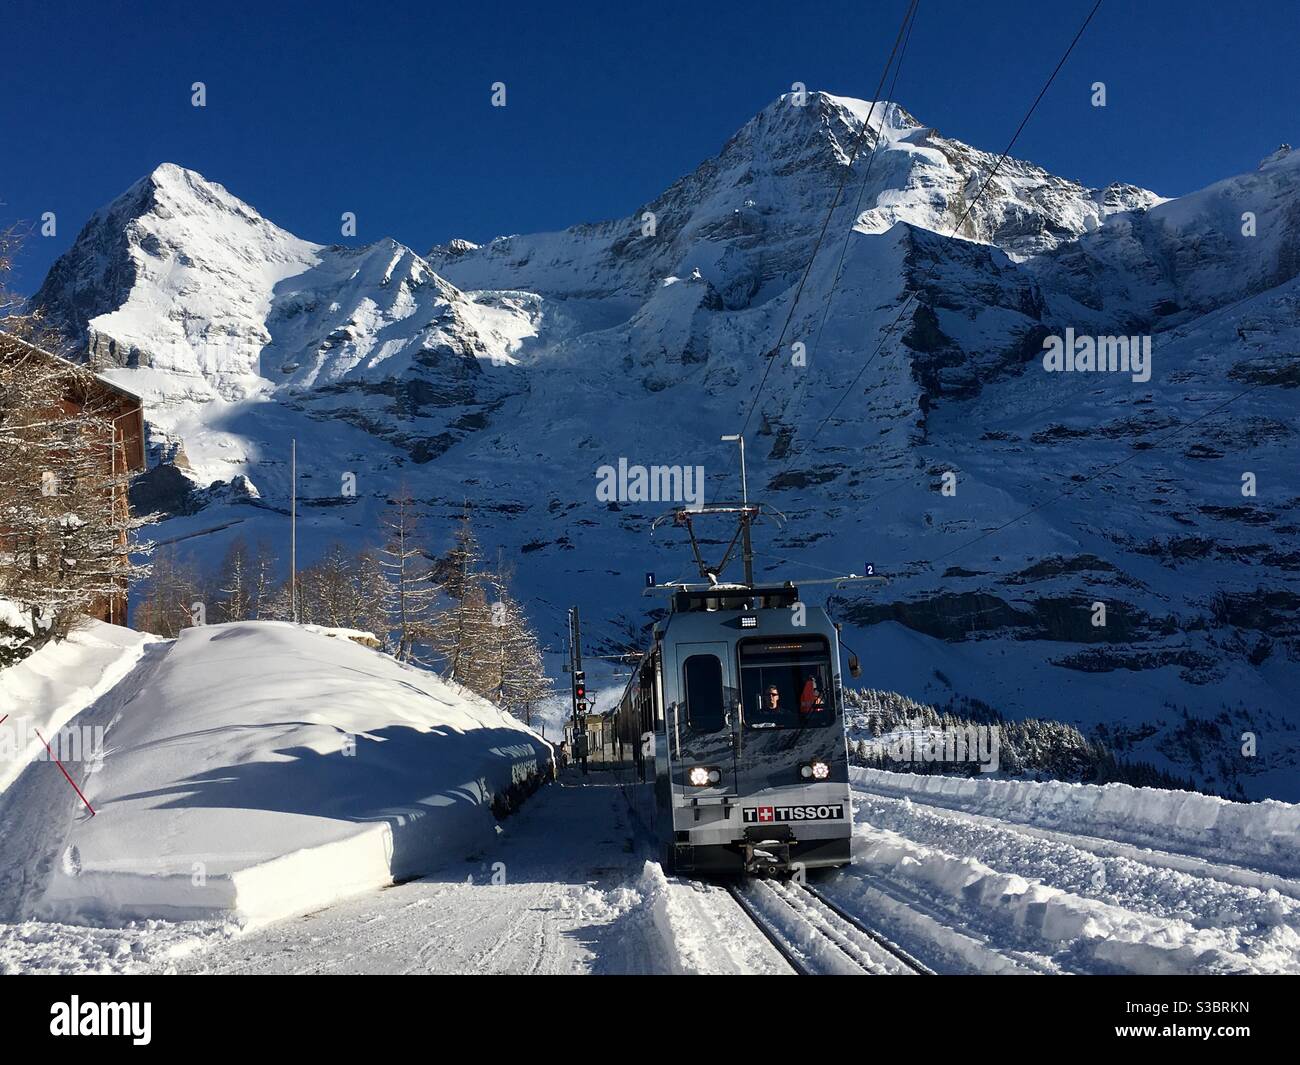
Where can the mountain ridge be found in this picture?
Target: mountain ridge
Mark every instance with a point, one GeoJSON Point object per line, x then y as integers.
{"type": "Point", "coordinates": [506, 373]}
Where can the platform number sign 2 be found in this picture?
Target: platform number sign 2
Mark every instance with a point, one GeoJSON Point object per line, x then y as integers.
{"type": "Point", "coordinates": [871, 570]}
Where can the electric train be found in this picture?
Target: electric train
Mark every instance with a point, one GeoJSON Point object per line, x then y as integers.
{"type": "Point", "coordinates": [736, 713]}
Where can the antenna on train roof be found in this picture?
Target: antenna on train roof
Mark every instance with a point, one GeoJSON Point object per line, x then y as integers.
{"type": "Point", "coordinates": [746, 514]}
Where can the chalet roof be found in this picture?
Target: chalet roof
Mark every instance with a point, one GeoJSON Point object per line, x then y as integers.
{"type": "Point", "coordinates": [9, 338]}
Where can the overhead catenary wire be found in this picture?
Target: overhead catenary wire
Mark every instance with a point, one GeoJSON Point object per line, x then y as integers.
{"type": "Point", "coordinates": [912, 296]}
{"type": "Point", "coordinates": [1071, 399]}
{"type": "Point", "coordinates": [862, 189]}
{"type": "Point", "coordinates": [774, 353]}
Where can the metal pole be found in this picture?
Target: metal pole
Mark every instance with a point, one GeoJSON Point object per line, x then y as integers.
{"type": "Point", "coordinates": [293, 531]}
{"type": "Point", "coordinates": [744, 517]}
{"type": "Point", "coordinates": [747, 547]}
{"type": "Point", "coordinates": [573, 694]}
{"type": "Point", "coordinates": [744, 486]}
{"type": "Point", "coordinates": [577, 668]}
{"type": "Point", "coordinates": [577, 641]}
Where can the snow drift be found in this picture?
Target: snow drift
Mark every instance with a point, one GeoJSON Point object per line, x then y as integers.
{"type": "Point", "coordinates": [46, 691]}
{"type": "Point", "coordinates": [1264, 835]}
{"type": "Point", "coordinates": [263, 770]}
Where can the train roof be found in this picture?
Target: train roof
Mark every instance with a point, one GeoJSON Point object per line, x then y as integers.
{"type": "Point", "coordinates": [691, 598]}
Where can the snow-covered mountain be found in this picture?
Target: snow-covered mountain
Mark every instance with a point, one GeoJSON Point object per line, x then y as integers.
{"type": "Point", "coordinates": [209, 303]}
{"type": "Point", "coordinates": [505, 374]}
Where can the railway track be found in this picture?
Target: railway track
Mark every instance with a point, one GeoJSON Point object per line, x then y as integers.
{"type": "Point", "coordinates": [816, 936]}
{"type": "Point", "coordinates": [793, 958]}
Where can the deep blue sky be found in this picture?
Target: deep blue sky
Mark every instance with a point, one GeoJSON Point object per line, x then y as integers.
{"type": "Point", "coordinates": [325, 107]}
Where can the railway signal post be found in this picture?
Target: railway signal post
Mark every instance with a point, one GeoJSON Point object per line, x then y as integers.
{"type": "Point", "coordinates": [578, 682]}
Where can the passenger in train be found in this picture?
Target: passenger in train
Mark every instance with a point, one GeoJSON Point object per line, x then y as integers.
{"type": "Point", "coordinates": [810, 699]}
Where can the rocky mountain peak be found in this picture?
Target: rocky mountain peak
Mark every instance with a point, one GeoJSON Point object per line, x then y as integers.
{"type": "Point", "coordinates": [507, 373]}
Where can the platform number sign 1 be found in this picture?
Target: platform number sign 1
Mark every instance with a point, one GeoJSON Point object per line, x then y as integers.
{"type": "Point", "coordinates": [649, 580]}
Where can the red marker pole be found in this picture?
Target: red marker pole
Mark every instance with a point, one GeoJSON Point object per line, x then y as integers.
{"type": "Point", "coordinates": [63, 771]}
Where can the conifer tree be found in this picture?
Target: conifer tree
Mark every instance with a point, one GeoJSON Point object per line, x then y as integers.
{"type": "Point", "coordinates": [411, 590]}
{"type": "Point", "coordinates": [512, 655]}
{"type": "Point", "coordinates": [372, 596]}
{"type": "Point", "coordinates": [171, 595]}
{"type": "Point", "coordinates": [461, 635]}
{"type": "Point", "coordinates": [457, 569]}
{"type": "Point", "coordinates": [236, 582]}
{"type": "Point", "coordinates": [329, 592]}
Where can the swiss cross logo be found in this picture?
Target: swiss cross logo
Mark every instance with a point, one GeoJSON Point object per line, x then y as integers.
{"type": "Point", "coordinates": [768, 814]}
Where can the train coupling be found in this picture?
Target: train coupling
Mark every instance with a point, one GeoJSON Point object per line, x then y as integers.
{"type": "Point", "coordinates": [766, 850]}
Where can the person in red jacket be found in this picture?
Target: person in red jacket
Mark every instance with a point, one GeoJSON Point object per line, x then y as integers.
{"type": "Point", "coordinates": [810, 699]}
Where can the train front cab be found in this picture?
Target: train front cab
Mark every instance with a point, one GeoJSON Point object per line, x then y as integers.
{"type": "Point", "coordinates": [752, 762]}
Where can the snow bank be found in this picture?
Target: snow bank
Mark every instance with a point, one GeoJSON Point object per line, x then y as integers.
{"type": "Point", "coordinates": [47, 690]}
{"type": "Point", "coordinates": [265, 770]}
{"type": "Point", "coordinates": [666, 920]}
{"type": "Point", "coordinates": [1096, 932]}
{"type": "Point", "coordinates": [1264, 835]}
{"type": "Point", "coordinates": [361, 636]}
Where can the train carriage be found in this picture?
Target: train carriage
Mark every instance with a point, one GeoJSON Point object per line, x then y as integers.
{"type": "Point", "coordinates": [736, 714]}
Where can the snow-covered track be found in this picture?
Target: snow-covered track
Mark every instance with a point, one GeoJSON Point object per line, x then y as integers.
{"type": "Point", "coordinates": [1055, 900]}
{"type": "Point", "coordinates": [818, 938]}
{"type": "Point", "coordinates": [778, 941]}
{"type": "Point", "coordinates": [883, 941]}
{"type": "Point", "coordinates": [1175, 861]}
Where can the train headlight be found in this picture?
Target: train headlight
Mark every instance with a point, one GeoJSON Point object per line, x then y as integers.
{"type": "Point", "coordinates": [701, 776]}
{"type": "Point", "coordinates": [816, 770]}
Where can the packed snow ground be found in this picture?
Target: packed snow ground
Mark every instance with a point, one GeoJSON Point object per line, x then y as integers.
{"type": "Point", "coordinates": [967, 892]}
{"type": "Point", "coordinates": [557, 893]}
{"type": "Point", "coordinates": [567, 886]}
{"type": "Point", "coordinates": [226, 748]}
{"type": "Point", "coordinates": [1262, 836]}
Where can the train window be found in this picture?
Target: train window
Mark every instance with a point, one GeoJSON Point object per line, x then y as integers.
{"type": "Point", "coordinates": [702, 685]}
{"type": "Point", "coordinates": [786, 683]}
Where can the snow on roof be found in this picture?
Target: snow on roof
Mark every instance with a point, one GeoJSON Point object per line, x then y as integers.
{"type": "Point", "coordinates": [9, 338]}
{"type": "Point", "coordinates": [264, 769]}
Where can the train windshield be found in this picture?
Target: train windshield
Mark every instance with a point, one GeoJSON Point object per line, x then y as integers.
{"type": "Point", "coordinates": [786, 682]}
